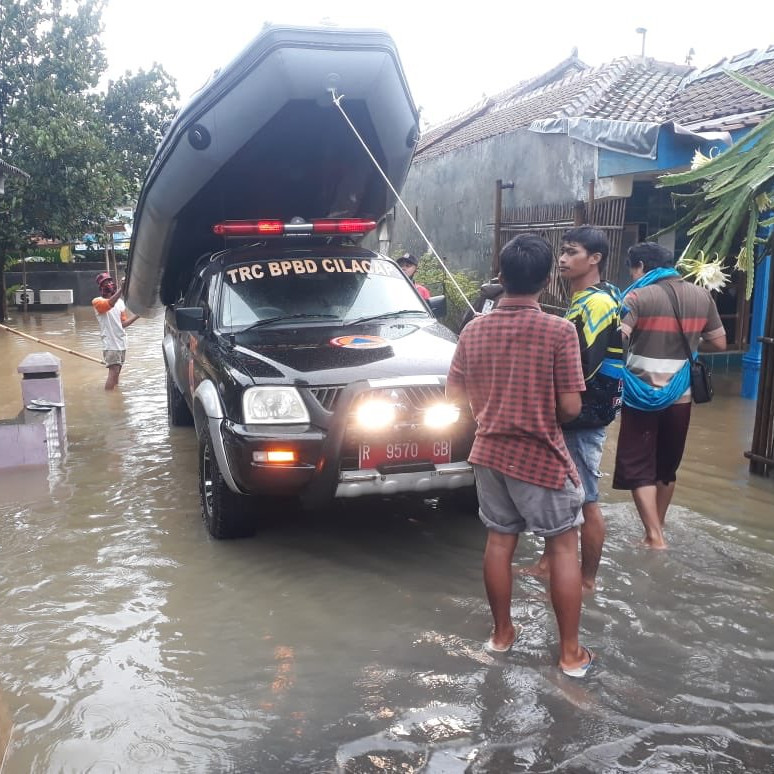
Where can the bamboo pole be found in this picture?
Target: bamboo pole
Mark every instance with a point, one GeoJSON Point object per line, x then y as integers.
{"type": "Point", "coordinates": [50, 344]}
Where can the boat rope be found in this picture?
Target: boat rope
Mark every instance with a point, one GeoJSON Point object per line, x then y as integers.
{"type": "Point", "coordinates": [337, 101]}
{"type": "Point", "coordinates": [51, 344]}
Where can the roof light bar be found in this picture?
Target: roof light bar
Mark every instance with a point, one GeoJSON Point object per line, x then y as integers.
{"type": "Point", "coordinates": [250, 228]}
{"type": "Point", "coordinates": [345, 226]}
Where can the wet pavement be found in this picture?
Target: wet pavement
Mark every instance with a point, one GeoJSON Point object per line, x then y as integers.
{"type": "Point", "coordinates": [351, 640]}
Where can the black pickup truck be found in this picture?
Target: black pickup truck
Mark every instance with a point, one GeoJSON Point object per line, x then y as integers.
{"type": "Point", "coordinates": [311, 368]}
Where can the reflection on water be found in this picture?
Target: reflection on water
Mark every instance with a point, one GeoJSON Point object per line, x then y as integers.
{"type": "Point", "coordinates": [351, 641]}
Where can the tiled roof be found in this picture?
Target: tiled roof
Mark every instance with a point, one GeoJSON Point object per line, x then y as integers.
{"type": "Point", "coordinates": [626, 89]}
{"type": "Point", "coordinates": [642, 93]}
{"type": "Point", "coordinates": [711, 99]}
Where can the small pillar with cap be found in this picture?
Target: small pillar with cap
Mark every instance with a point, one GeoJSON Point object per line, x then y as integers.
{"type": "Point", "coordinates": [42, 385]}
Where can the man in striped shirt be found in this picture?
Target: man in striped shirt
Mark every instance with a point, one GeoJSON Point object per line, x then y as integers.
{"type": "Point", "coordinates": [651, 440]}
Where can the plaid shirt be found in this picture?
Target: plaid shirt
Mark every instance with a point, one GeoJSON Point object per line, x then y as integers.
{"type": "Point", "coordinates": [511, 363]}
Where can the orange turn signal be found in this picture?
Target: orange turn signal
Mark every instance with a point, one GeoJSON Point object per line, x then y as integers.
{"type": "Point", "coordinates": [280, 455]}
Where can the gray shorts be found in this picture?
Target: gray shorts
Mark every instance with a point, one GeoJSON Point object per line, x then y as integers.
{"type": "Point", "coordinates": [511, 506]}
{"type": "Point", "coordinates": [114, 356]}
{"type": "Point", "coordinates": [585, 447]}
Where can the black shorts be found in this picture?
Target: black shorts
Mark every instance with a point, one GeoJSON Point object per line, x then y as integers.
{"type": "Point", "coordinates": [650, 445]}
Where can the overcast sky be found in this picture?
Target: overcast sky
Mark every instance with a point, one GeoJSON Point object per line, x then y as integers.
{"type": "Point", "coordinates": [450, 58]}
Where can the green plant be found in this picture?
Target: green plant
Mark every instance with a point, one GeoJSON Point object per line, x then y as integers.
{"type": "Point", "coordinates": [434, 278]}
{"type": "Point", "coordinates": [10, 294]}
{"type": "Point", "coordinates": [732, 200]}
{"type": "Point", "coordinates": [49, 254]}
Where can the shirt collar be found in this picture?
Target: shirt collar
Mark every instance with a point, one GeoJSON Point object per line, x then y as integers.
{"type": "Point", "coordinates": [511, 303]}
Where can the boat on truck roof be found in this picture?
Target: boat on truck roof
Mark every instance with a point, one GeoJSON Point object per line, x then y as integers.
{"type": "Point", "coordinates": [264, 139]}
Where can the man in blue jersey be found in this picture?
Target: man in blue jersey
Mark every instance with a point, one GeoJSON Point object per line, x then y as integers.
{"type": "Point", "coordinates": [595, 313]}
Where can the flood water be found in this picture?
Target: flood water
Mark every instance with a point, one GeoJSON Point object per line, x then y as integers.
{"type": "Point", "coordinates": [351, 641]}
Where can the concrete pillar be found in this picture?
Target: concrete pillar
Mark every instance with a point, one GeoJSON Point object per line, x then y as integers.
{"type": "Point", "coordinates": [751, 360]}
{"type": "Point", "coordinates": [42, 381]}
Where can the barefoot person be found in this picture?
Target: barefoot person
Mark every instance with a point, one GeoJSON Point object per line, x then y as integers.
{"type": "Point", "coordinates": [520, 370]}
{"type": "Point", "coordinates": [594, 311]}
{"type": "Point", "coordinates": [657, 392]}
{"type": "Point", "coordinates": [113, 319]}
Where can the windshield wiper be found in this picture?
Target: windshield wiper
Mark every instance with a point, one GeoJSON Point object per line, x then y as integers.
{"type": "Point", "coordinates": [398, 313]}
{"type": "Point", "coordinates": [278, 318]}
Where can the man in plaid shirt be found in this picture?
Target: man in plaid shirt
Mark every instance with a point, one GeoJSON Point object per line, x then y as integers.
{"type": "Point", "coordinates": [520, 370]}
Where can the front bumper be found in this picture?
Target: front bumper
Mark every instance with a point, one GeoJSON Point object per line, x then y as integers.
{"type": "Point", "coordinates": [360, 483]}
{"type": "Point", "coordinates": [326, 464]}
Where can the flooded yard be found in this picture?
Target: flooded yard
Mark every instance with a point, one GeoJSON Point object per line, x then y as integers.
{"type": "Point", "coordinates": [351, 640]}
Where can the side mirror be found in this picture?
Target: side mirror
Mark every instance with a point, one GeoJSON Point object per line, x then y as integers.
{"type": "Point", "coordinates": [437, 305]}
{"type": "Point", "coordinates": [190, 318]}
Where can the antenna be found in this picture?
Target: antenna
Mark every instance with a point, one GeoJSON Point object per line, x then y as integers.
{"type": "Point", "coordinates": [642, 31]}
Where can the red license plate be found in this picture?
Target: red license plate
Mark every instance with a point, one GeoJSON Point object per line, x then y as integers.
{"type": "Point", "coordinates": [381, 452]}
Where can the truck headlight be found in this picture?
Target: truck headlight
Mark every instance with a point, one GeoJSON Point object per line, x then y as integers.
{"type": "Point", "coordinates": [441, 415]}
{"type": "Point", "coordinates": [273, 406]}
{"type": "Point", "coordinates": [375, 414]}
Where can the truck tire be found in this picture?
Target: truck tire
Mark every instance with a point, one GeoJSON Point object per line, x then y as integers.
{"type": "Point", "coordinates": [178, 413]}
{"type": "Point", "coordinates": [226, 515]}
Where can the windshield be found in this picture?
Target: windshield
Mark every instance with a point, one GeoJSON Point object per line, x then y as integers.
{"type": "Point", "coordinates": [314, 290]}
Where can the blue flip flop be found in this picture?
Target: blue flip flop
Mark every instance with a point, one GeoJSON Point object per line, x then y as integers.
{"type": "Point", "coordinates": [581, 671]}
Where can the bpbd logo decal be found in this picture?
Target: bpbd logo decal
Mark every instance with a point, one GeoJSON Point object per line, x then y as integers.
{"type": "Point", "coordinates": [359, 342]}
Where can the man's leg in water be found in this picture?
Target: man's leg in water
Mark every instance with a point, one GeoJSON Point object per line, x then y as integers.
{"type": "Point", "coordinates": [498, 580]}
{"type": "Point", "coordinates": [664, 494]}
{"type": "Point", "coordinates": [646, 500]}
{"type": "Point", "coordinates": [562, 553]}
{"type": "Point", "coordinates": [585, 447]}
{"type": "Point", "coordinates": [592, 539]}
{"type": "Point", "coordinates": [672, 433]}
{"type": "Point", "coordinates": [112, 377]}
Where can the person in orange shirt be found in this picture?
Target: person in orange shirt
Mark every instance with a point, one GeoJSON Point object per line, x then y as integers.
{"type": "Point", "coordinates": [409, 263]}
{"type": "Point", "coordinates": [113, 319]}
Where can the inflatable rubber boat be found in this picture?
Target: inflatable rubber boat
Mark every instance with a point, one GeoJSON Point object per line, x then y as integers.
{"type": "Point", "coordinates": [265, 139]}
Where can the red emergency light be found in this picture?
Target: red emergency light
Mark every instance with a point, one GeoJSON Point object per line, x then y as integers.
{"type": "Point", "coordinates": [248, 228]}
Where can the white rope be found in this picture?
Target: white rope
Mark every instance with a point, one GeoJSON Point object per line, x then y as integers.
{"type": "Point", "coordinates": [337, 102]}
{"type": "Point", "coordinates": [7, 748]}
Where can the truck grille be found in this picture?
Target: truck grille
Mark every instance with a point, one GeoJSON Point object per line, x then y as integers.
{"type": "Point", "coordinates": [417, 396]}
{"type": "Point", "coordinates": [326, 396]}
{"type": "Point", "coordinates": [412, 400]}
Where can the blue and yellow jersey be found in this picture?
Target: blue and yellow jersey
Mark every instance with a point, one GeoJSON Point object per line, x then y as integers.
{"type": "Point", "coordinates": [595, 313]}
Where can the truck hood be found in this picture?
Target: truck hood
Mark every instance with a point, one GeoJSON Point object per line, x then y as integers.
{"type": "Point", "coordinates": [326, 355]}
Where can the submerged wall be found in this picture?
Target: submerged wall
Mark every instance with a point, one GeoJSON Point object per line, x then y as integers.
{"type": "Point", "coordinates": [78, 277]}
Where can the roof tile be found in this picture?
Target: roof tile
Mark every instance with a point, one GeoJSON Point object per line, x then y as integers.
{"type": "Point", "coordinates": [626, 89]}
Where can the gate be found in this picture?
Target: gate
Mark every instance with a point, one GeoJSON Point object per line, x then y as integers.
{"type": "Point", "coordinates": [550, 221]}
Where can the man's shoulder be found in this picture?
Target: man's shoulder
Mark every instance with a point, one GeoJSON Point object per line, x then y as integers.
{"type": "Point", "coordinates": [599, 298]}
{"type": "Point", "coordinates": [691, 288]}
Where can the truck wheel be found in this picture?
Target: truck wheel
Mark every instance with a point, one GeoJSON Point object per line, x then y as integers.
{"type": "Point", "coordinates": [226, 514]}
{"type": "Point", "coordinates": [177, 410]}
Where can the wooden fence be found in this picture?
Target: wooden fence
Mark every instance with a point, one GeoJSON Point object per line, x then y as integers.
{"type": "Point", "coordinates": [551, 221]}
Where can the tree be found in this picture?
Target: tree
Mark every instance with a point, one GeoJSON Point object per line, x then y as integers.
{"type": "Point", "coordinates": [135, 110]}
{"type": "Point", "coordinates": [85, 152]}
